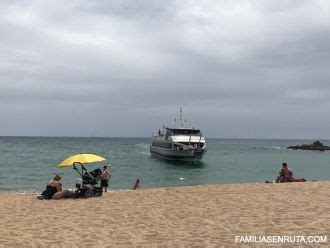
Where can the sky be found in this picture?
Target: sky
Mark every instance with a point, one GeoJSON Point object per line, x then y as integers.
{"type": "Point", "coordinates": [239, 69]}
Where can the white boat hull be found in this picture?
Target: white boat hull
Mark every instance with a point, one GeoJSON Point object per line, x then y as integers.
{"type": "Point", "coordinates": [178, 155]}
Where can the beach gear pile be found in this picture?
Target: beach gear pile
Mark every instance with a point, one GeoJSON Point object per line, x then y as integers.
{"type": "Point", "coordinates": [87, 186]}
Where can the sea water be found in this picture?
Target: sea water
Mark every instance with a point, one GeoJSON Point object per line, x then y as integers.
{"type": "Point", "coordinates": [28, 163]}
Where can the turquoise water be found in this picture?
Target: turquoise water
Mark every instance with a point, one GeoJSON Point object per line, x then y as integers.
{"type": "Point", "coordinates": [28, 163]}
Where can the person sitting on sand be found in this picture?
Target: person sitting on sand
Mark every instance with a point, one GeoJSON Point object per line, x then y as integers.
{"type": "Point", "coordinates": [285, 174]}
{"type": "Point", "coordinates": [54, 190]}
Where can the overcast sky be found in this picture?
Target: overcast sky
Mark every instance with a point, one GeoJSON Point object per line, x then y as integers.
{"type": "Point", "coordinates": [240, 69]}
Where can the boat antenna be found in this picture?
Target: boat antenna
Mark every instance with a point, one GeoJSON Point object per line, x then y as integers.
{"type": "Point", "coordinates": [180, 114]}
{"type": "Point", "coordinates": [182, 123]}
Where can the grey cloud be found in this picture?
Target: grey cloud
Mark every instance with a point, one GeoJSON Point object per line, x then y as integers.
{"type": "Point", "coordinates": [127, 9]}
{"type": "Point", "coordinates": [240, 69]}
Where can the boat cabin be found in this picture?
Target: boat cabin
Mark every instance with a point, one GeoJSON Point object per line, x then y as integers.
{"type": "Point", "coordinates": [183, 131]}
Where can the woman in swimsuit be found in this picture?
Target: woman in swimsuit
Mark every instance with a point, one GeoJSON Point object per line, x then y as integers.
{"type": "Point", "coordinates": [54, 190]}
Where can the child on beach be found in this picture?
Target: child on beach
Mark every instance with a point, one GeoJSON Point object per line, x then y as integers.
{"type": "Point", "coordinates": [137, 184]}
{"type": "Point", "coordinates": [105, 178]}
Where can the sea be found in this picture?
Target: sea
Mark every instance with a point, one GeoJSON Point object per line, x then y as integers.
{"type": "Point", "coordinates": [28, 163]}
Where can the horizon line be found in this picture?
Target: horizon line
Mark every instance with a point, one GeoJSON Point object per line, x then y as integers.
{"type": "Point", "coordinates": [144, 137]}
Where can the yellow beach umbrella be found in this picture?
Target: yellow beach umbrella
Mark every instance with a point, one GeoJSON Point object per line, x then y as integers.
{"type": "Point", "coordinates": [84, 158]}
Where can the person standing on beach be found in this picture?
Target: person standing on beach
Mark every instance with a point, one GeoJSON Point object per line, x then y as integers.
{"type": "Point", "coordinates": [105, 178]}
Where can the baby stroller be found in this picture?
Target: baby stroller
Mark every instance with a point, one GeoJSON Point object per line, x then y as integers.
{"type": "Point", "coordinates": [87, 186]}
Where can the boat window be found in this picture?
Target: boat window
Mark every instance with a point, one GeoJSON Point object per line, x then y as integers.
{"type": "Point", "coordinates": [184, 132]}
{"type": "Point", "coordinates": [193, 144]}
{"type": "Point", "coordinates": [162, 145]}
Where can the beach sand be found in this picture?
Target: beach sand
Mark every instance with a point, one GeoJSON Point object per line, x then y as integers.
{"type": "Point", "coordinates": [206, 215]}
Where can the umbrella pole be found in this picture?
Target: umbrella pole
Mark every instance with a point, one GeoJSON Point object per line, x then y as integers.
{"type": "Point", "coordinates": [84, 168]}
{"type": "Point", "coordinates": [75, 168]}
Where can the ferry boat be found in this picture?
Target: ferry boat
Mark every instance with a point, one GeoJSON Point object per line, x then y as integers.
{"type": "Point", "coordinates": [179, 143]}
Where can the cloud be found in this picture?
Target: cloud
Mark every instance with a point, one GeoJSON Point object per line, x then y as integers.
{"type": "Point", "coordinates": [234, 66]}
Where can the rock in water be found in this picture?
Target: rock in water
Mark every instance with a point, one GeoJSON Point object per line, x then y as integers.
{"type": "Point", "coordinates": [316, 146]}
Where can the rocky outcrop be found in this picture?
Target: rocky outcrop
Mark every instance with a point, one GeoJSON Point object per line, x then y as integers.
{"type": "Point", "coordinates": [316, 146]}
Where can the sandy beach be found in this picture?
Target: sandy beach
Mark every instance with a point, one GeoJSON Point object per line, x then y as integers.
{"type": "Point", "coordinates": [206, 215]}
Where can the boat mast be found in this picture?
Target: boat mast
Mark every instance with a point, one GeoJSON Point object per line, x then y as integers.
{"type": "Point", "coordinates": [181, 123]}
{"type": "Point", "coordinates": [180, 114]}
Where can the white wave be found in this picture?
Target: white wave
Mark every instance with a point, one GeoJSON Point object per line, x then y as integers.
{"type": "Point", "coordinates": [21, 192]}
{"type": "Point", "coordinates": [142, 145]}
{"type": "Point", "coordinates": [274, 147]}
{"type": "Point", "coordinates": [144, 153]}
